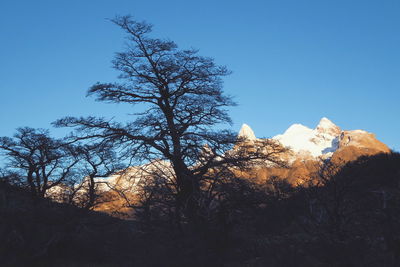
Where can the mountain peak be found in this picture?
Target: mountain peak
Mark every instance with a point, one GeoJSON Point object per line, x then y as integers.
{"type": "Point", "coordinates": [325, 122]}
{"type": "Point", "coordinates": [247, 133]}
{"type": "Point", "coordinates": [297, 128]}
{"type": "Point", "coordinates": [327, 126]}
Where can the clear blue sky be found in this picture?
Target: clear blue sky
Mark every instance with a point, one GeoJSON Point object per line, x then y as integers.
{"type": "Point", "coordinates": [292, 61]}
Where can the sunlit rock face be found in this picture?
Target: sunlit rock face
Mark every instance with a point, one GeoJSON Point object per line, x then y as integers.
{"type": "Point", "coordinates": [356, 143]}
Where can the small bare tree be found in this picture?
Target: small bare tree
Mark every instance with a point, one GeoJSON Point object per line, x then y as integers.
{"type": "Point", "coordinates": [41, 161]}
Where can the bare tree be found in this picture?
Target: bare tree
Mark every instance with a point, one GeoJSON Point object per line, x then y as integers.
{"type": "Point", "coordinates": [182, 104]}
{"type": "Point", "coordinates": [41, 161]}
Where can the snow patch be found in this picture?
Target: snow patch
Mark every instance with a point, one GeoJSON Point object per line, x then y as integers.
{"type": "Point", "coordinates": [318, 142]}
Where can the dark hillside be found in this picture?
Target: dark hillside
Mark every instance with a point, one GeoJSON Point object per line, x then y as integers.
{"type": "Point", "coordinates": [41, 232]}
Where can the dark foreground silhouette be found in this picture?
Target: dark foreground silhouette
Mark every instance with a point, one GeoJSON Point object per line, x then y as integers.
{"type": "Point", "coordinates": [346, 217]}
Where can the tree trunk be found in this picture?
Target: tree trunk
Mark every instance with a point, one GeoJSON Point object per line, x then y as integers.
{"type": "Point", "coordinates": [188, 192]}
{"type": "Point", "coordinates": [31, 183]}
{"type": "Point", "coordinates": [92, 193]}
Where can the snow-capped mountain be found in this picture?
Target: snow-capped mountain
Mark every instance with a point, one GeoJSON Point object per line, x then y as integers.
{"type": "Point", "coordinates": [322, 141]}
{"type": "Point", "coordinates": [309, 148]}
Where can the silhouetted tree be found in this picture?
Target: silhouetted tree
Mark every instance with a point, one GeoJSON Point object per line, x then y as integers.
{"type": "Point", "coordinates": [182, 101]}
{"type": "Point", "coordinates": [37, 159]}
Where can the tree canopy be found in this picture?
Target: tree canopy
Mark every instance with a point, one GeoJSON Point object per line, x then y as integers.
{"type": "Point", "coordinates": [181, 105]}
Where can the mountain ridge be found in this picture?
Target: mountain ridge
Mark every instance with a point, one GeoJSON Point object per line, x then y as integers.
{"type": "Point", "coordinates": [322, 141]}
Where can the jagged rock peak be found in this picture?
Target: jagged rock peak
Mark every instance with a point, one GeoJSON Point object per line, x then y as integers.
{"type": "Point", "coordinates": [326, 123]}
{"type": "Point", "coordinates": [327, 126]}
{"type": "Point", "coordinates": [246, 133]}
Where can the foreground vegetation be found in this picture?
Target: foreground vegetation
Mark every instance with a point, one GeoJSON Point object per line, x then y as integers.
{"type": "Point", "coordinates": [346, 218]}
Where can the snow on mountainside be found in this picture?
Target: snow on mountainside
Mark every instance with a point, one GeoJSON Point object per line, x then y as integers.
{"type": "Point", "coordinates": [129, 178]}
{"type": "Point", "coordinates": [321, 141]}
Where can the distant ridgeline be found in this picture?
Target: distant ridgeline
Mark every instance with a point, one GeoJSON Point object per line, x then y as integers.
{"type": "Point", "coordinates": [307, 151]}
